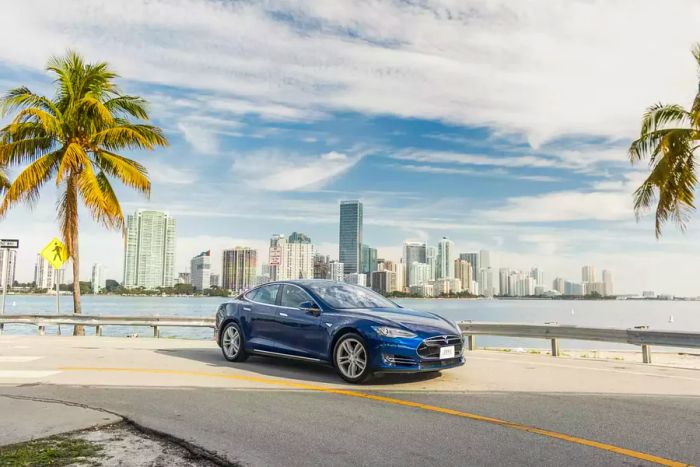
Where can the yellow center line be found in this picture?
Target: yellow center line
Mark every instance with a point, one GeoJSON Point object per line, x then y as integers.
{"type": "Point", "coordinates": [390, 400]}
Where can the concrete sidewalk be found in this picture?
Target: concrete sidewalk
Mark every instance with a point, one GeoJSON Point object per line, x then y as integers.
{"type": "Point", "coordinates": [25, 419]}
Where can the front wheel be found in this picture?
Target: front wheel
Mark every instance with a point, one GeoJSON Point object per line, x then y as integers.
{"type": "Point", "coordinates": [351, 359]}
{"type": "Point", "coordinates": [232, 343]}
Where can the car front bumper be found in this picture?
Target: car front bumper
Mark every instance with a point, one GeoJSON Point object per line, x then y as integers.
{"type": "Point", "coordinates": [400, 356]}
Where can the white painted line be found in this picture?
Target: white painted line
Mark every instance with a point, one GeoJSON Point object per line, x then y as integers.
{"type": "Point", "coordinates": [17, 359]}
{"type": "Point", "coordinates": [26, 374]}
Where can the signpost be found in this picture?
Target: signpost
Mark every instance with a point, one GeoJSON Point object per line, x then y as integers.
{"type": "Point", "coordinates": [6, 245]}
{"type": "Point", "coordinates": [56, 254]}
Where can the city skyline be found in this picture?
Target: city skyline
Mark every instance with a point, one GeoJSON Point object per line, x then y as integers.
{"type": "Point", "coordinates": [480, 159]}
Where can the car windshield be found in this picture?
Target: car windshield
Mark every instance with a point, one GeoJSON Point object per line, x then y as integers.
{"type": "Point", "coordinates": [350, 296]}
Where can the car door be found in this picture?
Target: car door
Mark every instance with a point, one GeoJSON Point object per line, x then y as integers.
{"type": "Point", "coordinates": [300, 332]}
{"type": "Point", "coordinates": [262, 310]}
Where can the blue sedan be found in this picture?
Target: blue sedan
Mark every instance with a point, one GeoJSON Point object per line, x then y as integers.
{"type": "Point", "coordinates": [353, 328]}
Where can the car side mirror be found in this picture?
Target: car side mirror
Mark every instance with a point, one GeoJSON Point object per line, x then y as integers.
{"type": "Point", "coordinates": [310, 307]}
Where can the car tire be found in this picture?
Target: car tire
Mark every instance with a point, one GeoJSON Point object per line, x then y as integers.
{"type": "Point", "coordinates": [351, 359]}
{"type": "Point", "coordinates": [231, 335]}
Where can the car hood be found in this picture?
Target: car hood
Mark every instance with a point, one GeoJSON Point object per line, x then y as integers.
{"type": "Point", "coordinates": [415, 321]}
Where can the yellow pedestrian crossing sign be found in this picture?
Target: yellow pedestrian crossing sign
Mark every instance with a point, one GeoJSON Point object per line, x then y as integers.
{"type": "Point", "coordinates": [55, 253]}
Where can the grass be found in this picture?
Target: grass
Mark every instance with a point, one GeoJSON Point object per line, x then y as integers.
{"type": "Point", "coordinates": [53, 451]}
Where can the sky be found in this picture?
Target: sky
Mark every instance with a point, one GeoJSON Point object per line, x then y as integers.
{"type": "Point", "coordinates": [502, 125]}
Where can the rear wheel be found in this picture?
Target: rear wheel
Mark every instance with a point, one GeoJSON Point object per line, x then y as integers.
{"type": "Point", "coordinates": [351, 359]}
{"type": "Point", "coordinates": [232, 343]}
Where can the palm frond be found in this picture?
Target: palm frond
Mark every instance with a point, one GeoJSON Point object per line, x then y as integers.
{"type": "Point", "coordinates": [129, 172]}
{"type": "Point", "coordinates": [28, 184]}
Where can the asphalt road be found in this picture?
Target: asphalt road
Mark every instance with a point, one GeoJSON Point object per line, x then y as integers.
{"type": "Point", "coordinates": [269, 412]}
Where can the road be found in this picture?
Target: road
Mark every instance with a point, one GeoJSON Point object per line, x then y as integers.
{"type": "Point", "coordinates": [499, 409]}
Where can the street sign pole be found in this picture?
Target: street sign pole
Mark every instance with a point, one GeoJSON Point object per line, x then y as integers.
{"type": "Point", "coordinates": [5, 267]}
{"type": "Point", "coordinates": [58, 298]}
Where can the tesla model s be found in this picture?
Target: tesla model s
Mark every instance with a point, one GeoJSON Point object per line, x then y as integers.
{"type": "Point", "coordinates": [353, 328]}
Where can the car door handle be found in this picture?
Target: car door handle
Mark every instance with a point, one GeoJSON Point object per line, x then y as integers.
{"type": "Point", "coordinates": [283, 314]}
{"type": "Point", "coordinates": [245, 308]}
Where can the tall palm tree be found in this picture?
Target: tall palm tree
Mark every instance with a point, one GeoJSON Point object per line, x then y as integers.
{"type": "Point", "coordinates": [670, 138]}
{"type": "Point", "coordinates": [75, 138]}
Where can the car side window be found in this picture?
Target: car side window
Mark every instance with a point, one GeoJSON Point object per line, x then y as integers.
{"type": "Point", "coordinates": [267, 294]}
{"type": "Point", "coordinates": [293, 296]}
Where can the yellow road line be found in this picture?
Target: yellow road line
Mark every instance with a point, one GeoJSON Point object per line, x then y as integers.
{"type": "Point", "coordinates": [390, 400]}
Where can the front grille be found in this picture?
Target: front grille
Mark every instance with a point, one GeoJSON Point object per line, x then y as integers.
{"type": "Point", "coordinates": [430, 347]}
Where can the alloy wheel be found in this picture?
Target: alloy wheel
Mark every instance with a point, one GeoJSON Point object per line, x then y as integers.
{"type": "Point", "coordinates": [351, 358]}
{"type": "Point", "coordinates": [231, 342]}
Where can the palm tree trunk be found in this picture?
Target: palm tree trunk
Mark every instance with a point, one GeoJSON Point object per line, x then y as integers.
{"type": "Point", "coordinates": [75, 255]}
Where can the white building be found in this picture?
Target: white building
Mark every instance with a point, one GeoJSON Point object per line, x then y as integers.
{"type": "Point", "coordinates": [8, 263]}
{"type": "Point", "coordinates": [423, 290]}
{"type": "Point", "coordinates": [336, 271]}
{"type": "Point", "coordinates": [431, 259]}
{"type": "Point", "coordinates": [538, 275]}
{"type": "Point", "coordinates": [291, 258]}
{"type": "Point", "coordinates": [356, 279]}
{"type": "Point", "coordinates": [399, 269]}
{"type": "Point", "coordinates": [485, 274]}
{"type": "Point", "coordinates": [420, 273]}
{"type": "Point", "coordinates": [446, 259]}
{"type": "Point", "coordinates": [97, 278]}
{"type": "Point", "coordinates": [588, 274]}
{"type": "Point", "coordinates": [200, 271]}
{"type": "Point", "coordinates": [45, 276]}
{"type": "Point", "coordinates": [607, 283]}
{"type": "Point", "coordinates": [149, 255]}
{"type": "Point", "coordinates": [503, 282]}
{"type": "Point", "coordinates": [463, 272]}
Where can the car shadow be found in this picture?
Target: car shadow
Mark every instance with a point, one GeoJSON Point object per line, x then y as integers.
{"type": "Point", "coordinates": [291, 369]}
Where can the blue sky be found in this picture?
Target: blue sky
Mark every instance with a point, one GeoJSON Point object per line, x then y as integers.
{"type": "Point", "coordinates": [500, 124]}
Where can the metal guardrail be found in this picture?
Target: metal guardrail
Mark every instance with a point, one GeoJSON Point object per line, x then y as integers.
{"type": "Point", "coordinates": [640, 335]}
{"type": "Point", "coordinates": [155, 322]}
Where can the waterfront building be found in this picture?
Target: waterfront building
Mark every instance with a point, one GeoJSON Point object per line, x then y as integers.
{"type": "Point", "coordinates": [485, 276]}
{"type": "Point", "coordinates": [573, 289]}
{"type": "Point", "coordinates": [322, 266]}
{"type": "Point", "coordinates": [278, 257]}
{"type": "Point", "coordinates": [588, 274]}
{"type": "Point", "coordinates": [8, 263]}
{"type": "Point", "coordinates": [368, 259]}
{"type": "Point", "coordinates": [422, 290]}
{"type": "Point", "coordinates": [336, 271]}
{"type": "Point", "coordinates": [239, 268]}
{"type": "Point", "coordinates": [383, 282]}
{"type": "Point", "coordinates": [607, 283]}
{"type": "Point", "coordinates": [463, 272]}
{"type": "Point", "coordinates": [261, 279]}
{"type": "Point", "coordinates": [350, 236]}
{"type": "Point", "coordinates": [213, 280]}
{"type": "Point", "coordinates": [356, 279]}
{"type": "Point", "coordinates": [149, 254]}
{"type": "Point", "coordinates": [45, 276]}
{"type": "Point", "coordinates": [291, 258]}
{"type": "Point", "coordinates": [399, 269]}
{"type": "Point", "coordinates": [559, 284]}
{"type": "Point", "coordinates": [649, 294]}
{"type": "Point", "coordinates": [445, 259]}
{"type": "Point", "coordinates": [183, 278]}
{"type": "Point", "coordinates": [538, 275]}
{"type": "Point", "coordinates": [431, 259]}
{"type": "Point", "coordinates": [97, 279]}
{"type": "Point", "coordinates": [200, 271]}
{"type": "Point", "coordinates": [420, 273]}
{"type": "Point", "coordinates": [473, 259]}
{"type": "Point", "coordinates": [413, 252]}
{"type": "Point", "coordinates": [597, 288]}
{"type": "Point", "coordinates": [446, 286]}
{"type": "Point", "coordinates": [503, 285]}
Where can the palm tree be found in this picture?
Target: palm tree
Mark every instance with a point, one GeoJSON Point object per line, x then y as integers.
{"type": "Point", "coordinates": [670, 138]}
{"type": "Point", "coordinates": [75, 138]}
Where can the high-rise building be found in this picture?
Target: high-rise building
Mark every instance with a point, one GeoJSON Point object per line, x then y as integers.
{"type": "Point", "coordinates": [336, 269]}
{"type": "Point", "coordinates": [350, 236]}
{"type": "Point", "coordinates": [420, 273]}
{"type": "Point", "coordinates": [213, 280]}
{"type": "Point", "coordinates": [300, 257]}
{"type": "Point", "coordinates": [278, 257]}
{"type": "Point", "coordinates": [200, 270]}
{"type": "Point", "coordinates": [239, 268]}
{"type": "Point", "coordinates": [45, 276]}
{"type": "Point", "coordinates": [463, 272]}
{"type": "Point", "coordinates": [183, 278]}
{"type": "Point", "coordinates": [559, 284]}
{"type": "Point", "coordinates": [413, 252]}
{"type": "Point", "coordinates": [588, 274]}
{"type": "Point", "coordinates": [356, 279]}
{"type": "Point", "coordinates": [485, 277]}
{"type": "Point", "coordinates": [322, 266]}
{"type": "Point", "coordinates": [573, 288]}
{"type": "Point", "coordinates": [473, 259]}
{"type": "Point", "coordinates": [97, 279]}
{"type": "Point", "coordinates": [607, 283]}
{"type": "Point", "coordinates": [149, 256]}
{"type": "Point", "coordinates": [369, 259]}
{"type": "Point", "coordinates": [538, 275]}
{"type": "Point", "coordinates": [383, 282]}
{"type": "Point", "coordinates": [400, 270]}
{"type": "Point", "coordinates": [431, 259]}
{"type": "Point", "coordinates": [445, 259]}
{"type": "Point", "coordinates": [8, 264]}
{"type": "Point", "coordinates": [503, 283]}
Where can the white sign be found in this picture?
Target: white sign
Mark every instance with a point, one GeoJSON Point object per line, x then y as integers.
{"type": "Point", "coordinates": [8, 243]}
{"type": "Point", "coordinates": [447, 352]}
{"type": "Point", "coordinates": [275, 256]}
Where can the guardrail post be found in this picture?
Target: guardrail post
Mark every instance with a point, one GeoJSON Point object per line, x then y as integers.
{"type": "Point", "coordinates": [42, 330]}
{"type": "Point", "coordinates": [471, 342]}
{"type": "Point", "coordinates": [646, 353]}
{"type": "Point", "coordinates": [98, 330]}
{"type": "Point", "coordinates": [156, 331]}
{"type": "Point", "coordinates": [555, 347]}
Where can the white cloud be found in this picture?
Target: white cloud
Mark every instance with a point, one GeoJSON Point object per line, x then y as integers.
{"type": "Point", "coordinates": [162, 172]}
{"type": "Point", "coordinates": [544, 68]}
{"type": "Point", "coordinates": [273, 171]}
{"type": "Point", "coordinates": [497, 173]}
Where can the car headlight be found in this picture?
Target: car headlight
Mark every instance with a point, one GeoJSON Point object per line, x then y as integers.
{"type": "Point", "coordinates": [392, 332]}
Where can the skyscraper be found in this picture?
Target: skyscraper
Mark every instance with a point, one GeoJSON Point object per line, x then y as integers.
{"type": "Point", "coordinates": [431, 259]}
{"type": "Point", "coordinates": [8, 266]}
{"type": "Point", "coordinates": [503, 282]}
{"type": "Point", "coordinates": [607, 283]}
{"type": "Point", "coordinates": [291, 258]}
{"type": "Point", "coordinates": [149, 255]}
{"type": "Point", "coordinates": [200, 270]}
{"type": "Point", "coordinates": [473, 259]}
{"type": "Point", "coordinates": [321, 266]}
{"type": "Point", "coordinates": [463, 272]}
{"type": "Point", "coordinates": [97, 279]}
{"type": "Point", "coordinates": [588, 274]}
{"type": "Point", "coordinates": [538, 275]}
{"type": "Point", "coordinates": [413, 252]}
{"type": "Point", "coordinates": [45, 276]}
{"type": "Point", "coordinates": [336, 271]}
{"type": "Point", "coordinates": [369, 259]}
{"type": "Point", "coordinates": [485, 277]}
{"type": "Point", "coordinates": [350, 237]}
{"type": "Point", "coordinates": [445, 259]}
{"type": "Point", "coordinates": [239, 267]}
